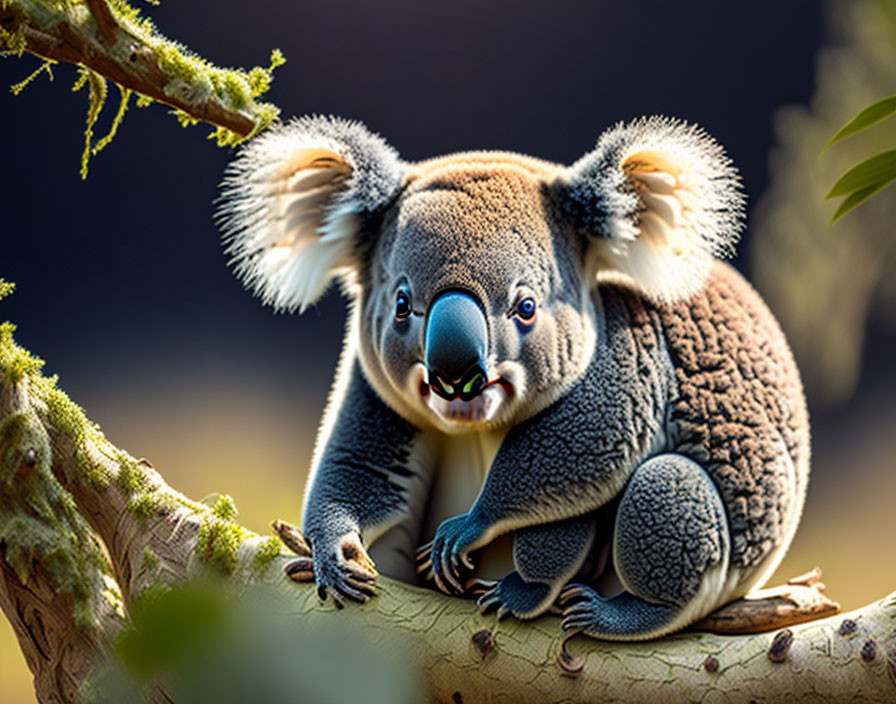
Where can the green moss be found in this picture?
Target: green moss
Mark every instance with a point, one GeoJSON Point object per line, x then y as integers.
{"type": "Point", "coordinates": [191, 80]}
{"type": "Point", "coordinates": [236, 88]}
{"type": "Point", "coordinates": [150, 560]}
{"type": "Point", "coordinates": [178, 62]}
{"type": "Point", "coordinates": [63, 413]}
{"type": "Point", "coordinates": [15, 361]}
{"type": "Point", "coordinates": [65, 550]}
{"type": "Point", "coordinates": [145, 498]}
{"type": "Point", "coordinates": [131, 478]}
{"type": "Point", "coordinates": [18, 434]}
{"type": "Point", "coordinates": [116, 121]}
{"type": "Point", "coordinates": [184, 118]}
{"type": "Point", "coordinates": [98, 90]}
{"type": "Point", "coordinates": [40, 524]}
{"type": "Point", "coordinates": [47, 66]}
{"type": "Point", "coordinates": [224, 508]}
{"type": "Point", "coordinates": [90, 471]}
{"type": "Point", "coordinates": [220, 537]}
{"type": "Point", "coordinates": [267, 552]}
{"type": "Point", "coordinates": [68, 419]}
{"type": "Point", "coordinates": [219, 543]}
{"type": "Point", "coordinates": [144, 506]}
{"type": "Point", "coordinates": [22, 364]}
{"type": "Point", "coordinates": [6, 336]}
{"type": "Point", "coordinates": [260, 78]}
{"type": "Point", "coordinates": [13, 42]}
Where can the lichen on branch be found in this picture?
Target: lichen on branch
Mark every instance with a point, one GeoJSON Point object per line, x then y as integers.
{"type": "Point", "coordinates": [109, 40]}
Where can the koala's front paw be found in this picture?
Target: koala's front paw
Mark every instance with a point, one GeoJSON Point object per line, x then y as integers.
{"type": "Point", "coordinates": [345, 570]}
{"type": "Point", "coordinates": [454, 540]}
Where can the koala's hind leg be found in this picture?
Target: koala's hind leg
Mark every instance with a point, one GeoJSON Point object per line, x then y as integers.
{"type": "Point", "coordinates": [670, 549]}
{"type": "Point", "coordinates": [546, 558]}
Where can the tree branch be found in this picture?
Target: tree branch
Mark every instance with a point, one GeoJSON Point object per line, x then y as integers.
{"type": "Point", "coordinates": [129, 52]}
{"type": "Point", "coordinates": [60, 476]}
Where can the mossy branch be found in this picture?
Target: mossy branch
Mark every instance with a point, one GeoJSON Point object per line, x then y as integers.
{"type": "Point", "coordinates": [109, 39]}
{"type": "Point", "coordinates": [64, 488]}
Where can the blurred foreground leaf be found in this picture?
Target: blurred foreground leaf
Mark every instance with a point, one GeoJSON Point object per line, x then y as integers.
{"type": "Point", "coordinates": [208, 644]}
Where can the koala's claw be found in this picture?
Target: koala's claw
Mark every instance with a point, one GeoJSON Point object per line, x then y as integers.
{"type": "Point", "coordinates": [424, 557]}
{"type": "Point", "coordinates": [453, 583]}
{"type": "Point", "coordinates": [490, 600]}
{"type": "Point", "coordinates": [571, 593]}
{"type": "Point", "coordinates": [579, 605]}
{"type": "Point", "coordinates": [346, 572]}
{"type": "Point", "coordinates": [344, 582]}
{"type": "Point", "coordinates": [513, 595]}
{"type": "Point", "coordinates": [476, 587]}
{"type": "Point", "coordinates": [449, 552]}
{"type": "Point", "coordinates": [300, 570]}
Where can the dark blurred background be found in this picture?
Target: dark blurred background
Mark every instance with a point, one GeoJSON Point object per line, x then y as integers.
{"type": "Point", "coordinates": [122, 286]}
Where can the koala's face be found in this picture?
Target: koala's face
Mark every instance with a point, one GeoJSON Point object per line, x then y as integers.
{"type": "Point", "coordinates": [474, 273]}
{"type": "Point", "coordinates": [475, 309]}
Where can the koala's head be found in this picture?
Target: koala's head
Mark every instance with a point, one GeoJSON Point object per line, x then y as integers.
{"type": "Point", "coordinates": [472, 275]}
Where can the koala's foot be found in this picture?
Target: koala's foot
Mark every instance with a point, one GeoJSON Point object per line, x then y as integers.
{"type": "Point", "coordinates": [546, 557]}
{"type": "Point", "coordinates": [513, 595]}
{"type": "Point", "coordinates": [345, 571]}
{"type": "Point", "coordinates": [622, 617]}
{"type": "Point", "coordinates": [671, 551]}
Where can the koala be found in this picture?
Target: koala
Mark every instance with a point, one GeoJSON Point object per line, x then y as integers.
{"type": "Point", "coordinates": [552, 390]}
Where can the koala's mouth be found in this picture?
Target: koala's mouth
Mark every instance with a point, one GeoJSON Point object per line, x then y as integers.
{"type": "Point", "coordinates": [481, 409]}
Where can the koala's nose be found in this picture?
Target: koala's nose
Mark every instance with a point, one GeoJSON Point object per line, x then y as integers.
{"type": "Point", "coordinates": [456, 346]}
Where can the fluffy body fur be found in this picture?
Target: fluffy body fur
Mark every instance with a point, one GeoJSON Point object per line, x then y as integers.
{"type": "Point", "coordinates": [640, 430]}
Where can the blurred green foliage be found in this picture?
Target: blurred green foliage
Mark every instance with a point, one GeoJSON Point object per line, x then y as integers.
{"type": "Point", "coordinates": [872, 175]}
{"type": "Point", "coordinates": [207, 643]}
{"type": "Point", "coordinates": [826, 282]}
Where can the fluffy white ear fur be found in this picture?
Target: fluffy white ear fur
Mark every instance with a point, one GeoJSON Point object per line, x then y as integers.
{"type": "Point", "coordinates": [292, 203]}
{"type": "Point", "coordinates": [659, 199]}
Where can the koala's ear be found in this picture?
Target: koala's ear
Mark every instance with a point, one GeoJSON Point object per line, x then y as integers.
{"type": "Point", "coordinates": [293, 203]}
{"type": "Point", "coordinates": [658, 200]}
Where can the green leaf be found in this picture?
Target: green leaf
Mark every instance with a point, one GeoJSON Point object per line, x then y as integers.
{"type": "Point", "coordinates": [857, 198]}
{"type": "Point", "coordinates": [880, 168]}
{"type": "Point", "coordinates": [871, 115]}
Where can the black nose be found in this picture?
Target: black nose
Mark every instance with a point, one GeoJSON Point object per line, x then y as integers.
{"type": "Point", "coordinates": [456, 346]}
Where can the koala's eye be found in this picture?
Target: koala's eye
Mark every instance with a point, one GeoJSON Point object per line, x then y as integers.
{"type": "Point", "coordinates": [402, 305]}
{"type": "Point", "coordinates": [525, 309]}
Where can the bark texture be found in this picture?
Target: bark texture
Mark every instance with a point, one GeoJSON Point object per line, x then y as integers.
{"type": "Point", "coordinates": [60, 477]}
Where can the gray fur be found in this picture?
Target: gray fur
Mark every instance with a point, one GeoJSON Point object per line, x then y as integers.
{"type": "Point", "coordinates": [546, 556]}
{"type": "Point", "coordinates": [651, 377]}
{"type": "Point", "coordinates": [670, 529]}
{"type": "Point", "coordinates": [671, 550]}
